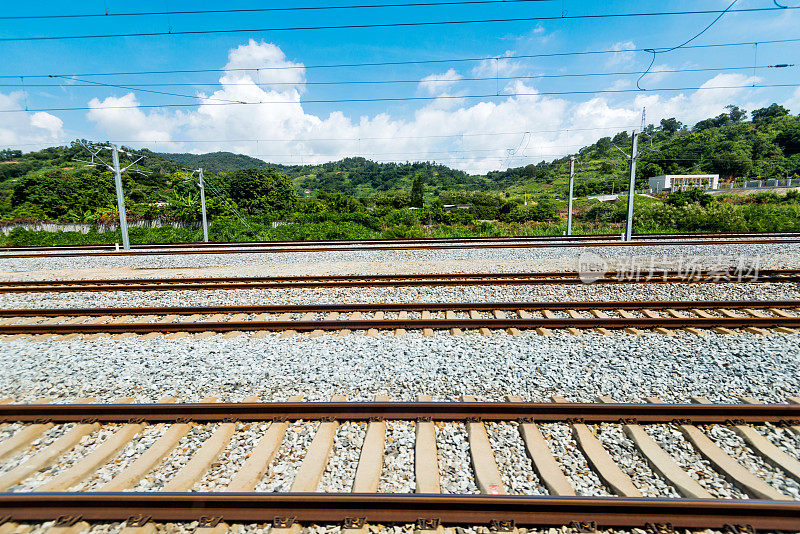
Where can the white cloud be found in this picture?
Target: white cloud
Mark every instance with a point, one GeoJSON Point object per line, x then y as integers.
{"type": "Point", "coordinates": [497, 66]}
{"type": "Point", "coordinates": [28, 131]}
{"type": "Point", "coordinates": [472, 135]}
{"type": "Point", "coordinates": [439, 83]}
{"type": "Point", "coordinates": [122, 118]}
{"type": "Point", "coordinates": [621, 57]}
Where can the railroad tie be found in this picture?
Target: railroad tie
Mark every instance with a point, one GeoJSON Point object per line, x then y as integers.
{"type": "Point", "coordinates": [541, 456]}
{"type": "Point", "coordinates": [261, 456]}
{"type": "Point", "coordinates": [202, 459]}
{"type": "Point", "coordinates": [764, 447]}
{"type": "Point", "coordinates": [782, 313]}
{"type": "Point", "coordinates": [660, 461]}
{"type": "Point", "coordinates": [597, 456]}
{"type": "Point", "coordinates": [402, 316]}
{"type": "Point", "coordinates": [331, 316]}
{"type": "Point", "coordinates": [378, 316]}
{"type": "Point", "coordinates": [426, 463]}
{"type": "Point", "coordinates": [725, 465]}
{"type": "Point", "coordinates": [69, 526]}
{"type": "Point", "coordinates": [782, 329]}
{"type": "Point", "coordinates": [313, 466]}
{"type": "Point", "coordinates": [284, 317]}
{"type": "Point", "coordinates": [660, 330]}
{"type": "Point", "coordinates": [426, 316]}
{"type": "Point", "coordinates": [704, 314]}
{"type": "Point", "coordinates": [51, 453]}
{"type": "Point", "coordinates": [600, 314]}
{"type": "Point", "coordinates": [10, 527]}
{"type": "Point", "coordinates": [628, 315]}
{"type": "Point", "coordinates": [149, 459]}
{"type": "Point", "coordinates": [690, 329]}
{"type": "Point", "coordinates": [484, 465]}
{"type": "Point", "coordinates": [355, 316]}
{"type": "Point", "coordinates": [25, 436]}
{"type": "Point", "coordinates": [450, 315]}
{"type": "Point", "coordinates": [794, 428]}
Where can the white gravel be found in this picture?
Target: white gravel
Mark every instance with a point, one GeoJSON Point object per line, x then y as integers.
{"type": "Point", "coordinates": [85, 446]}
{"type": "Point", "coordinates": [534, 367]}
{"type": "Point", "coordinates": [397, 475]}
{"type": "Point", "coordinates": [341, 469]}
{"type": "Point", "coordinates": [45, 440]}
{"type": "Point", "coordinates": [123, 459]}
{"type": "Point", "coordinates": [672, 441]}
{"type": "Point", "coordinates": [773, 255]}
{"type": "Point", "coordinates": [287, 461]}
{"type": "Point", "coordinates": [422, 294]}
{"type": "Point", "coordinates": [516, 468]}
{"type": "Point", "coordinates": [628, 458]}
{"type": "Point", "coordinates": [573, 463]}
{"type": "Point", "coordinates": [735, 447]}
{"type": "Point", "coordinates": [455, 466]}
{"type": "Point", "coordinates": [175, 460]}
{"type": "Point", "coordinates": [225, 467]}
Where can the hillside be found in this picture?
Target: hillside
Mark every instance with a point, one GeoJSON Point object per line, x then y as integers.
{"type": "Point", "coordinates": [216, 162]}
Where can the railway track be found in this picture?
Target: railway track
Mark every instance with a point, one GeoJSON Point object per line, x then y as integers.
{"type": "Point", "coordinates": [386, 245]}
{"type": "Point", "coordinates": [482, 278]}
{"type": "Point", "coordinates": [513, 317]}
{"type": "Point", "coordinates": [74, 494]}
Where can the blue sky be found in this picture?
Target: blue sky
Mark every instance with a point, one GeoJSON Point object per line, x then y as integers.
{"type": "Point", "coordinates": [523, 124]}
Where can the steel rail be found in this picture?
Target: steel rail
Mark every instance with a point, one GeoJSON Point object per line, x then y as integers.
{"type": "Point", "coordinates": [476, 239]}
{"type": "Point", "coordinates": [416, 324]}
{"type": "Point", "coordinates": [404, 508]}
{"type": "Point", "coordinates": [543, 278]}
{"type": "Point", "coordinates": [437, 411]}
{"type": "Point", "coordinates": [391, 307]}
{"type": "Point", "coordinates": [402, 247]}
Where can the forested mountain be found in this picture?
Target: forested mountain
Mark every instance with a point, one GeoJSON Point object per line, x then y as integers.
{"type": "Point", "coordinates": [52, 184]}
{"type": "Point", "coordinates": [217, 162]}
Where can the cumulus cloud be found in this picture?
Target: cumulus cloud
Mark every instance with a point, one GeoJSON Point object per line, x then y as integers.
{"type": "Point", "coordinates": [476, 136]}
{"type": "Point", "coordinates": [28, 131]}
{"type": "Point", "coordinates": [439, 83]}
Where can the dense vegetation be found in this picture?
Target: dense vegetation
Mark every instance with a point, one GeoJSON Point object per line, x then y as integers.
{"type": "Point", "coordinates": [355, 198]}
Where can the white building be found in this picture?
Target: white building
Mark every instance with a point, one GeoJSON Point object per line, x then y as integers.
{"type": "Point", "coordinates": [681, 182]}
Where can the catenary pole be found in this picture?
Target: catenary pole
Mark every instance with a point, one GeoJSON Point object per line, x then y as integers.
{"type": "Point", "coordinates": [123, 220]}
{"type": "Point", "coordinates": [631, 190]}
{"type": "Point", "coordinates": [203, 205]}
{"type": "Point", "coordinates": [571, 182]}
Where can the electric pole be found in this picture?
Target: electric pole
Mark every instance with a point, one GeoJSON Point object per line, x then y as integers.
{"type": "Point", "coordinates": [123, 220]}
{"type": "Point", "coordinates": [569, 205]}
{"type": "Point", "coordinates": [96, 161]}
{"type": "Point", "coordinates": [631, 190]}
{"type": "Point", "coordinates": [203, 205]}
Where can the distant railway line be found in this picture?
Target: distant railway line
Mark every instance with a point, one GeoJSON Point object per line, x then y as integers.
{"type": "Point", "coordinates": [513, 317]}
{"type": "Point", "coordinates": [402, 244]}
{"type": "Point", "coordinates": [399, 280]}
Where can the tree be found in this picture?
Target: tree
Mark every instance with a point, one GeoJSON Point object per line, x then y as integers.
{"type": "Point", "coordinates": [261, 190]}
{"type": "Point", "coordinates": [775, 110]}
{"type": "Point", "coordinates": [671, 125]}
{"type": "Point", "coordinates": [736, 113]}
{"type": "Point", "coordinates": [417, 192]}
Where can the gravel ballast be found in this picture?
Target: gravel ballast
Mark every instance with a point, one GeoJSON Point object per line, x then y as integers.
{"type": "Point", "coordinates": [720, 367]}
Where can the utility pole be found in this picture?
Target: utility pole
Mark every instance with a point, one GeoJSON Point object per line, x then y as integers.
{"type": "Point", "coordinates": [97, 161]}
{"type": "Point", "coordinates": [203, 205]}
{"type": "Point", "coordinates": [571, 182]}
{"type": "Point", "coordinates": [123, 220]}
{"type": "Point", "coordinates": [631, 190]}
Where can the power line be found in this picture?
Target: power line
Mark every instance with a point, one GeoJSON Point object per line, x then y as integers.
{"type": "Point", "coordinates": [404, 62]}
{"type": "Point", "coordinates": [137, 86]}
{"type": "Point", "coordinates": [257, 10]}
{"type": "Point", "coordinates": [407, 98]}
{"type": "Point", "coordinates": [386, 24]}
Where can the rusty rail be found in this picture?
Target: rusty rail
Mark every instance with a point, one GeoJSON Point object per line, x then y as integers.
{"type": "Point", "coordinates": [439, 411]}
{"type": "Point", "coordinates": [527, 278]}
{"type": "Point", "coordinates": [404, 508]}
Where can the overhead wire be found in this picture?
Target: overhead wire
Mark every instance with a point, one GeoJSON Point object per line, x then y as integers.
{"type": "Point", "coordinates": [402, 62]}
{"type": "Point", "coordinates": [404, 99]}
{"type": "Point", "coordinates": [385, 25]}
